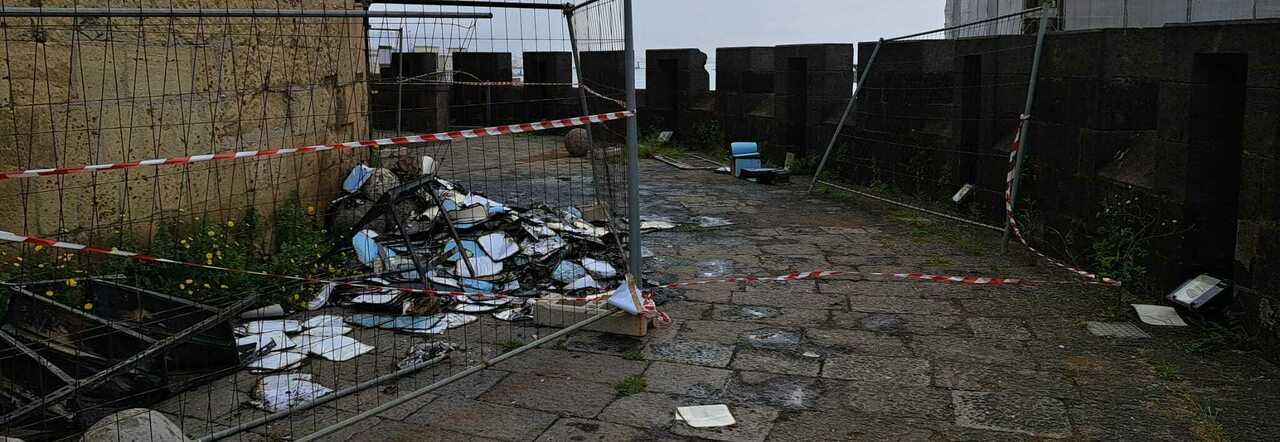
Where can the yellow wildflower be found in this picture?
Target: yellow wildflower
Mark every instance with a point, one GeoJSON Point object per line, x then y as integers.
{"type": "Point", "coordinates": [39, 247]}
{"type": "Point", "coordinates": [231, 223]}
{"type": "Point", "coordinates": [311, 210]}
{"type": "Point", "coordinates": [88, 306]}
{"type": "Point", "coordinates": [49, 293]}
{"type": "Point", "coordinates": [72, 282]}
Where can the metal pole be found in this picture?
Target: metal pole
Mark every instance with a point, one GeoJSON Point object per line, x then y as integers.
{"type": "Point", "coordinates": [243, 13]}
{"type": "Point", "coordinates": [582, 78]}
{"type": "Point", "coordinates": [446, 381]}
{"type": "Point", "coordinates": [1026, 126]}
{"type": "Point", "coordinates": [847, 110]}
{"type": "Point", "coordinates": [633, 146]}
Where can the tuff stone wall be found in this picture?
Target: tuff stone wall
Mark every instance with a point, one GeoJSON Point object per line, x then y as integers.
{"type": "Point", "coordinates": [87, 91]}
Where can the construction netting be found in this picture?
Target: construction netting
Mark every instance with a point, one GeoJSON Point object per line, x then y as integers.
{"type": "Point", "coordinates": [272, 221]}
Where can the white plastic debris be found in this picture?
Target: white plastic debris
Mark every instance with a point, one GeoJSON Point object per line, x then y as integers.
{"type": "Point", "coordinates": [599, 269]}
{"type": "Point", "coordinates": [270, 311]}
{"type": "Point", "coordinates": [706, 416]}
{"type": "Point", "coordinates": [333, 348]}
{"type": "Point", "coordinates": [271, 325]}
{"type": "Point", "coordinates": [498, 246]}
{"type": "Point", "coordinates": [539, 231]}
{"type": "Point", "coordinates": [275, 340]}
{"type": "Point", "coordinates": [327, 331]}
{"type": "Point", "coordinates": [483, 264]}
{"type": "Point", "coordinates": [473, 308]}
{"type": "Point", "coordinates": [322, 297]}
{"type": "Point", "coordinates": [285, 391]}
{"type": "Point", "coordinates": [568, 272]}
{"type": "Point", "coordinates": [375, 298]}
{"type": "Point", "coordinates": [322, 321]}
{"type": "Point", "coordinates": [325, 325]}
{"type": "Point", "coordinates": [627, 297]}
{"type": "Point", "coordinates": [544, 247]}
{"type": "Point", "coordinates": [277, 361]}
{"type": "Point", "coordinates": [586, 282]}
{"type": "Point", "coordinates": [1159, 315]}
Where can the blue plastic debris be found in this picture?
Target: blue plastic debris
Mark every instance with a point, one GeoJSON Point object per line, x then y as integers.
{"type": "Point", "coordinates": [568, 272]}
{"type": "Point", "coordinates": [368, 250]}
{"type": "Point", "coordinates": [359, 175]}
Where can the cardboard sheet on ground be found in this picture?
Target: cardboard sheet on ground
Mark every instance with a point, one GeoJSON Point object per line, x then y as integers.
{"type": "Point", "coordinates": [1159, 315]}
{"type": "Point", "coordinates": [706, 416]}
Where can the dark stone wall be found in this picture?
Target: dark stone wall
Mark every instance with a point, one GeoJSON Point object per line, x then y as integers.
{"type": "Point", "coordinates": [422, 107]}
{"type": "Point", "coordinates": [549, 102]}
{"type": "Point", "coordinates": [744, 93]}
{"type": "Point", "coordinates": [812, 86]}
{"type": "Point", "coordinates": [1145, 115]}
{"type": "Point", "coordinates": [476, 106]}
{"type": "Point", "coordinates": [677, 87]}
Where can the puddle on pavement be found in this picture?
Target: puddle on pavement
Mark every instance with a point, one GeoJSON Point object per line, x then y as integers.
{"type": "Point", "coordinates": [778, 391]}
{"type": "Point", "coordinates": [709, 222]}
{"type": "Point", "coordinates": [772, 338]}
{"type": "Point", "coordinates": [751, 313]}
{"type": "Point", "coordinates": [715, 268]}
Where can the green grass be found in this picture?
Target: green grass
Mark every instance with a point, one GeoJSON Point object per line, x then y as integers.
{"type": "Point", "coordinates": [633, 384]}
{"type": "Point", "coordinates": [649, 150]}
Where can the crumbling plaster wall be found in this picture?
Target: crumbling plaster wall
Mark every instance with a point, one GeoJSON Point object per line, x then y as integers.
{"type": "Point", "coordinates": [96, 90]}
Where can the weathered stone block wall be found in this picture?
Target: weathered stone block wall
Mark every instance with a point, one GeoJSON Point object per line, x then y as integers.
{"type": "Point", "coordinates": [93, 90]}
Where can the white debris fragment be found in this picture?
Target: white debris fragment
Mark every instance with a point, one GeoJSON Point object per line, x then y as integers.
{"type": "Point", "coordinates": [277, 361]}
{"type": "Point", "coordinates": [270, 325]}
{"type": "Point", "coordinates": [334, 348]}
{"type": "Point", "coordinates": [599, 269]}
{"type": "Point", "coordinates": [1159, 315]}
{"type": "Point", "coordinates": [275, 340]}
{"type": "Point", "coordinates": [706, 416]}
{"type": "Point", "coordinates": [282, 392]}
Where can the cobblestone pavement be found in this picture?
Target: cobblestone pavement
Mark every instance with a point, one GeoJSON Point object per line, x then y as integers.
{"type": "Point", "coordinates": [853, 359]}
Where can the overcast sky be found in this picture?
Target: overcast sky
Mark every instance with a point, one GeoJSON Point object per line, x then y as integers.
{"type": "Point", "coordinates": [667, 24]}
{"type": "Point", "coordinates": [708, 24]}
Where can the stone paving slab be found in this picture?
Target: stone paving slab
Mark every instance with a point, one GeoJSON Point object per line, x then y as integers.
{"type": "Point", "coordinates": [485, 419]}
{"type": "Point", "coordinates": [1039, 417]}
{"type": "Point", "coordinates": [548, 394]}
{"type": "Point", "coordinates": [686, 380]}
{"type": "Point", "coordinates": [892, 371]}
{"type": "Point", "coordinates": [585, 430]}
{"type": "Point", "coordinates": [848, 359]}
{"type": "Point", "coordinates": [576, 365]}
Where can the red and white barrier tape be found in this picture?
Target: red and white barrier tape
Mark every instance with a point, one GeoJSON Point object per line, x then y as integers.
{"type": "Point", "coordinates": [233, 155]}
{"type": "Point", "coordinates": [1017, 232]}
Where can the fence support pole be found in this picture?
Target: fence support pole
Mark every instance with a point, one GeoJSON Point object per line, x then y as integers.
{"type": "Point", "coordinates": [848, 109]}
{"type": "Point", "coordinates": [1012, 196]}
{"type": "Point", "coordinates": [633, 146]}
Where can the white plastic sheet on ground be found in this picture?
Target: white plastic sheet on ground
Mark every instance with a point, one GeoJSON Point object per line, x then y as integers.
{"type": "Point", "coordinates": [334, 348]}
{"type": "Point", "coordinates": [285, 391]}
